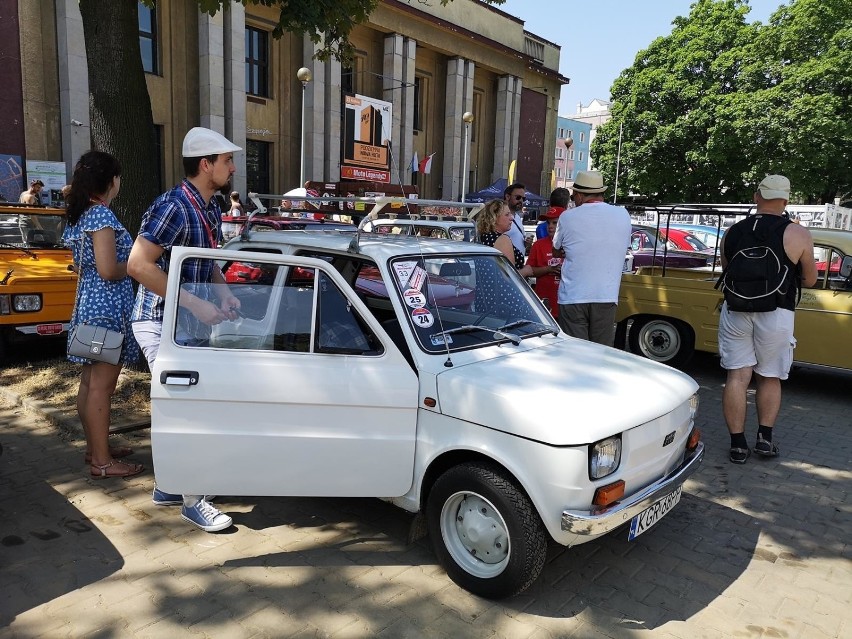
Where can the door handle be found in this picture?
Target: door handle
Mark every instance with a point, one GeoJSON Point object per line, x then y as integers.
{"type": "Point", "coordinates": [179, 378]}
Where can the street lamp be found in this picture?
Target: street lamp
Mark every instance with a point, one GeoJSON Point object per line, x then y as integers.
{"type": "Point", "coordinates": [304, 75]}
{"type": "Point", "coordinates": [467, 118]}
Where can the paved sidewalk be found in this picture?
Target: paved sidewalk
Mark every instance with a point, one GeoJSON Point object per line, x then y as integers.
{"type": "Point", "coordinates": [760, 550]}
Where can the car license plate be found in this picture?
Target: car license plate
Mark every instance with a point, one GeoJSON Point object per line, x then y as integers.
{"type": "Point", "coordinates": [49, 329]}
{"type": "Point", "coordinates": [651, 515]}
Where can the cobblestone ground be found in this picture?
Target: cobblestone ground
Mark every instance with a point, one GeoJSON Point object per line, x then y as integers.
{"type": "Point", "coordinates": [760, 550]}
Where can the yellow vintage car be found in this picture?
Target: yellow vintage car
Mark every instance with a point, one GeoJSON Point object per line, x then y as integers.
{"type": "Point", "coordinates": [667, 317]}
{"type": "Point", "coordinates": [37, 285]}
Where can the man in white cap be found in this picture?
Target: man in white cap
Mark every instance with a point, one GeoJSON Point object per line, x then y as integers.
{"type": "Point", "coordinates": [756, 328]}
{"type": "Point", "coordinates": [187, 215]}
{"type": "Point", "coordinates": [594, 236]}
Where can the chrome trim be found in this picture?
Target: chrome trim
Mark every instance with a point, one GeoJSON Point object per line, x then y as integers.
{"type": "Point", "coordinates": [601, 521]}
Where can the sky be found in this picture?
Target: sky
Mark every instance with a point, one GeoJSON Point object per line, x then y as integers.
{"type": "Point", "coordinates": [600, 38]}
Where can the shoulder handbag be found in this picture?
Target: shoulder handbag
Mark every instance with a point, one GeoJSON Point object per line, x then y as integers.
{"type": "Point", "coordinates": [96, 343]}
{"type": "Point", "coordinates": [90, 341]}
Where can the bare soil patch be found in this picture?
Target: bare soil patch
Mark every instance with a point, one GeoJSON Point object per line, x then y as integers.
{"type": "Point", "coordinates": [55, 382]}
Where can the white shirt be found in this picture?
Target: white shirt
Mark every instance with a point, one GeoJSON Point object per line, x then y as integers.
{"type": "Point", "coordinates": [516, 233]}
{"type": "Point", "coordinates": [595, 237]}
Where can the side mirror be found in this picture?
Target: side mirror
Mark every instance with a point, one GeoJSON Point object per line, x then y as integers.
{"type": "Point", "coordinates": [846, 266]}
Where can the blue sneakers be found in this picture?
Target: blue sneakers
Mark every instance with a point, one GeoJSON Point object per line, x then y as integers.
{"type": "Point", "coordinates": [206, 517]}
{"type": "Point", "coordinates": [162, 498]}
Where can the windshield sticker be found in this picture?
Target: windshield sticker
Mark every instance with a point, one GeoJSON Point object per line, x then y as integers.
{"type": "Point", "coordinates": [417, 279]}
{"type": "Point", "coordinates": [440, 340]}
{"type": "Point", "coordinates": [403, 271]}
{"type": "Point", "coordinates": [414, 298]}
{"type": "Point", "coordinates": [422, 318]}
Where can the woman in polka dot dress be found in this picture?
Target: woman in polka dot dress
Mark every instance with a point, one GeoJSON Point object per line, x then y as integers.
{"type": "Point", "coordinates": [101, 246]}
{"type": "Point", "coordinates": [492, 223]}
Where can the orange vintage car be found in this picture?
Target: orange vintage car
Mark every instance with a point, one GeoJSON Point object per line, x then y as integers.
{"type": "Point", "coordinates": [37, 285]}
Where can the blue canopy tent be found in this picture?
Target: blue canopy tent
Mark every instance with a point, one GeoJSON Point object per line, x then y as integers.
{"type": "Point", "coordinates": [496, 191]}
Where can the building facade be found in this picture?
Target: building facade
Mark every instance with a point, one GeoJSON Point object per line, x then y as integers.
{"type": "Point", "coordinates": [433, 63]}
{"type": "Point", "coordinates": [572, 150]}
{"type": "Point", "coordinates": [596, 113]}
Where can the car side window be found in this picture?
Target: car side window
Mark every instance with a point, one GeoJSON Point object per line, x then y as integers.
{"type": "Point", "coordinates": [340, 329]}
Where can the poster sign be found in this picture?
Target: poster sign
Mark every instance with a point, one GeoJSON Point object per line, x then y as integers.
{"type": "Point", "coordinates": [54, 178]}
{"type": "Point", "coordinates": [11, 177]}
{"type": "Point", "coordinates": [366, 136]}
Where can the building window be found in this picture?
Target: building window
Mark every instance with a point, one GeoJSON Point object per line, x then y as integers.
{"type": "Point", "coordinates": [148, 37]}
{"type": "Point", "coordinates": [570, 174]}
{"type": "Point", "coordinates": [580, 158]}
{"type": "Point", "coordinates": [571, 154]}
{"type": "Point", "coordinates": [570, 134]}
{"type": "Point", "coordinates": [582, 136]}
{"type": "Point", "coordinates": [257, 166]}
{"type": "Point", "coordinates": [558, 172]}
{"type": "Point", "coordinates": [420, 87]}
{"type": "Point", "coordinates": [257, 63]}
{"type": "Point", "coordinates": [347, 80]}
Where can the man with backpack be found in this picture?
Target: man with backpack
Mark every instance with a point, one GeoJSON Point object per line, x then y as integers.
{"type": "Point", "coordinates": [766, 260]}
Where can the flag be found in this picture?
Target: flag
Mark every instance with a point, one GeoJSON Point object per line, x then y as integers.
{"type": "Point", "coordinates": [426, 164]}
{"type": "Point", "coordinates": [415, 163]}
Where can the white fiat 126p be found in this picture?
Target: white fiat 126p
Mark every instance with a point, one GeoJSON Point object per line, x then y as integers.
{"type": "Point", "coordinates": [427, 374]}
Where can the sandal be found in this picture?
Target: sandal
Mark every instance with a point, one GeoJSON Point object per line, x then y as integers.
{"type": "Point", "coordinates": [102, 472]}
{"type": "Point", "coordinates": [116, 453]}
{"type": "Point", "coordinates": [739, 455]}
{"type": "Point", "coordinates": [765, 448]}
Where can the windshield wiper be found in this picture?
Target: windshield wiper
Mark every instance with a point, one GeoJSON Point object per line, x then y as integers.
{"type": "Point", "coordinates": [20, 248]}
{"type": "Point", "coordinates": [544, 327]}
{"type": "Point", "coordinates": [467, 328]}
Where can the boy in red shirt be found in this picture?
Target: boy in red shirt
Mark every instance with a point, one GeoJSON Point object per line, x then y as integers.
{"type": "Point", "coordinates": [546, 268]}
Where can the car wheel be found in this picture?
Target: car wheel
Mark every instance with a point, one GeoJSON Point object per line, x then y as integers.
{"type": "Point", "coordinates": [662, 340]}
{"type": "Point", "coordinates": [485, 531]}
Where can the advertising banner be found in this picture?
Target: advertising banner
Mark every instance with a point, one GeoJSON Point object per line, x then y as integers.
{"type": "Point", "coordinates": [366, 136]}
{"type": "Point", "coordinates": [54, 178]}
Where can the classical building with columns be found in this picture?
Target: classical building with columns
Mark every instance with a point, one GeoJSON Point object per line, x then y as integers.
{"type": "Point", "coordinates": [228, 72]}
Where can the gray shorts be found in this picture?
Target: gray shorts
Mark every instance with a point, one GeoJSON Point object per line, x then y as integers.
{"type": "Point", "coordinates": [763, 341]}
{"type": "Point", "coordinates": [594, 321]}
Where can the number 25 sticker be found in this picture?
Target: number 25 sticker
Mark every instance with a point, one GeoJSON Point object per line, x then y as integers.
{"type": "Point", "coordinates": [422, 318]}
{"type": "Point", "coordinates": [414, 298]}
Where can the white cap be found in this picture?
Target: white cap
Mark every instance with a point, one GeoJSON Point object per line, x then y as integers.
{"type": "Point", "coordinates": [774, 187]}
{"type": "Point", "coordinates": [199, 142]}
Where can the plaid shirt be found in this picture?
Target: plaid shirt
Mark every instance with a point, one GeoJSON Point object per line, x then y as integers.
{"type": "Point", "coordinates": [174, 220]}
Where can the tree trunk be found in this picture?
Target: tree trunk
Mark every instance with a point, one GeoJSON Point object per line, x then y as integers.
{"type": "Point", "coordinates": [119, 105]}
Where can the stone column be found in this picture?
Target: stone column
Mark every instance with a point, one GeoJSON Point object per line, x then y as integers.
{"type": "Point", "coordinates": [333, 107]}
{"type": "Point", "coordinates": [315, 112]}
{"type": "Point", "coordinates": [459, 98]}
{"type": "Point", "coordinates": [73, 83]}
{"type": "Point", "coordinates": [234, 29]}
{"type": "Point", "coordinates": [211, 71]}
{"type": "Point", "coordinates": [398, 89]}
{"type": "Point", "coordinates": [507, 123]}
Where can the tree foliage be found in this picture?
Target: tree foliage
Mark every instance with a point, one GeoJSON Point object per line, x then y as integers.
{"type": "Point", "coordinates": [710, 109]}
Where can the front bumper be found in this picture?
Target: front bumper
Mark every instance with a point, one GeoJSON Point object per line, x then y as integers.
{"type": "Point", "coordinates": [601, 521]}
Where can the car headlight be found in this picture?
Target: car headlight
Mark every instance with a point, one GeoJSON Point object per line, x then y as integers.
{"type": "Point", "coordinates": [693, 408]}
{"type": "Point", "coordinates": [604, 457]}
{"type": "Point", "coordinates": [5, 306]}
{"type": "Point", "coordinates": [26, 303]}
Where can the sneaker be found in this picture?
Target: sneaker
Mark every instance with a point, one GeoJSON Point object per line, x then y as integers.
{"type": "Point", "coordinates": [206, 517]}
{"type": "Point", "coordinates": [765, 448]}
{"type": "Point", "coordinates": [162, 498]}
{"type": "Point", "coordinates": [739, 455]}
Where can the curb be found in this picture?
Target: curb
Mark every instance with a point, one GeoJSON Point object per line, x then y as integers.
{"type": "Point", "coordinates": [57, 418]}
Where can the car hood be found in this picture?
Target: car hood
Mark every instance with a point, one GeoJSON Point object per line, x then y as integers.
{"type": "Point", "coordinates": [567, 393]}
{"type": "Point", "coordinates": [47, 266]}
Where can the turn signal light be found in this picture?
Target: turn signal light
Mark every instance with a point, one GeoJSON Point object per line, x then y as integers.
{"type": "Point", "coordinates": [609, 494]}
{"type": "Point", "coordinates": [694, 438]}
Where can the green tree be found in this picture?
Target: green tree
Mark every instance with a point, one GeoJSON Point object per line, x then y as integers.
{"type": "Point", "coordinates": [119, 104]}
{"type": "Point", "coordinates": [667, 103]}
{"type": "Point", "coordinates": [713, 107]}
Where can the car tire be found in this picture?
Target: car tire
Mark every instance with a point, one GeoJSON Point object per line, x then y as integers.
{"type": "Point", "coordinates": [485, 530]}
{"type": "Point", "coordinates": [662, 340]}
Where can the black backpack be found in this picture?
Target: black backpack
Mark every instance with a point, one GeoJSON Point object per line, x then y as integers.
{"type": "Point", "coordinates": [758, 274]}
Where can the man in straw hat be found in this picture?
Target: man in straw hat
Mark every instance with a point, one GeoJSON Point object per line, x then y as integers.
{"type": "Point", "coordinates": [594, 237]}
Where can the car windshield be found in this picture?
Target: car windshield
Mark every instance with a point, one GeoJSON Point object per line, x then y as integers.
{"type": "Point", "coordinates": [694, 242]}
{"type": "Point", "coordinates": [459, 302]}
{"type": "Point", "coordinates": [26, 230]}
